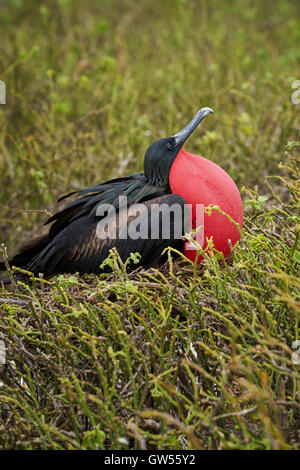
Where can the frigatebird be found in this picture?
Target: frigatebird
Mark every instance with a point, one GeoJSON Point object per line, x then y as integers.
{"type": "Point", "coordinates": [72, 244]}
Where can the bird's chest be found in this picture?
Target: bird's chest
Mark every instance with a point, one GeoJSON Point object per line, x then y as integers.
{"type": "Point", "coordinates": [203, 184]}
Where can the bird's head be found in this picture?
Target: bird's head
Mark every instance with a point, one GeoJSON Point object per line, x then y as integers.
{"type": "Point", "coordinates": [161, 154]}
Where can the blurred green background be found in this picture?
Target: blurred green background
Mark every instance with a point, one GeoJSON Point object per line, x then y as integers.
{"type": "Point", "coordinates": [90, 84]}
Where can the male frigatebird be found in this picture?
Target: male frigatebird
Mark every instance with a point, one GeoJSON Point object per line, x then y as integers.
{"type": "Point", "coordinates": [72, 243]}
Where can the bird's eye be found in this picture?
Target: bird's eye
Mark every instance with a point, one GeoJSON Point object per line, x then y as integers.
{"type": "Point", "coordinates": [169, 146]}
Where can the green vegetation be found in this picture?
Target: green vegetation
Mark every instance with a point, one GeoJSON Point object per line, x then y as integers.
{"type": "Point", "coordinates": [182, 357]}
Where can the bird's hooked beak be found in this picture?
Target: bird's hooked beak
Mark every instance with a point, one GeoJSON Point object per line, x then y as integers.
{"type": "Point", "coordinates": [183, 135]}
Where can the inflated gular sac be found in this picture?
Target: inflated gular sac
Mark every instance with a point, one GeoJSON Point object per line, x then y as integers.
{"type": "Point", "coordinates": [200, 181]}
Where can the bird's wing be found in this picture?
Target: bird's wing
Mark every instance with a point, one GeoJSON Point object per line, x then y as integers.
{"type": "Point", "coordinates": [135, 187]}
{"type": "Point", "coordinates": [84, 209]}
{"type": "Point", "coordinates": [81, 247]}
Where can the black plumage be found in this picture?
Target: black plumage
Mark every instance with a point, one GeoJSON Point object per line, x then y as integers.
{"type": "Point", "coordinates": [72, 243]}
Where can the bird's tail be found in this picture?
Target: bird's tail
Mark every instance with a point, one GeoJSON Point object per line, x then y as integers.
{"type": "Point", "coordinates": [26, 255]}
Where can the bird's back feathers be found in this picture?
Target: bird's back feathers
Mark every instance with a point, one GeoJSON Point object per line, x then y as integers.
{"type": "Point", "coordinates": [72, 244]}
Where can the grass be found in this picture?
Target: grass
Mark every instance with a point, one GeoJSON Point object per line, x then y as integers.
{"type": "Point", "coordinates": [160, 359]}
